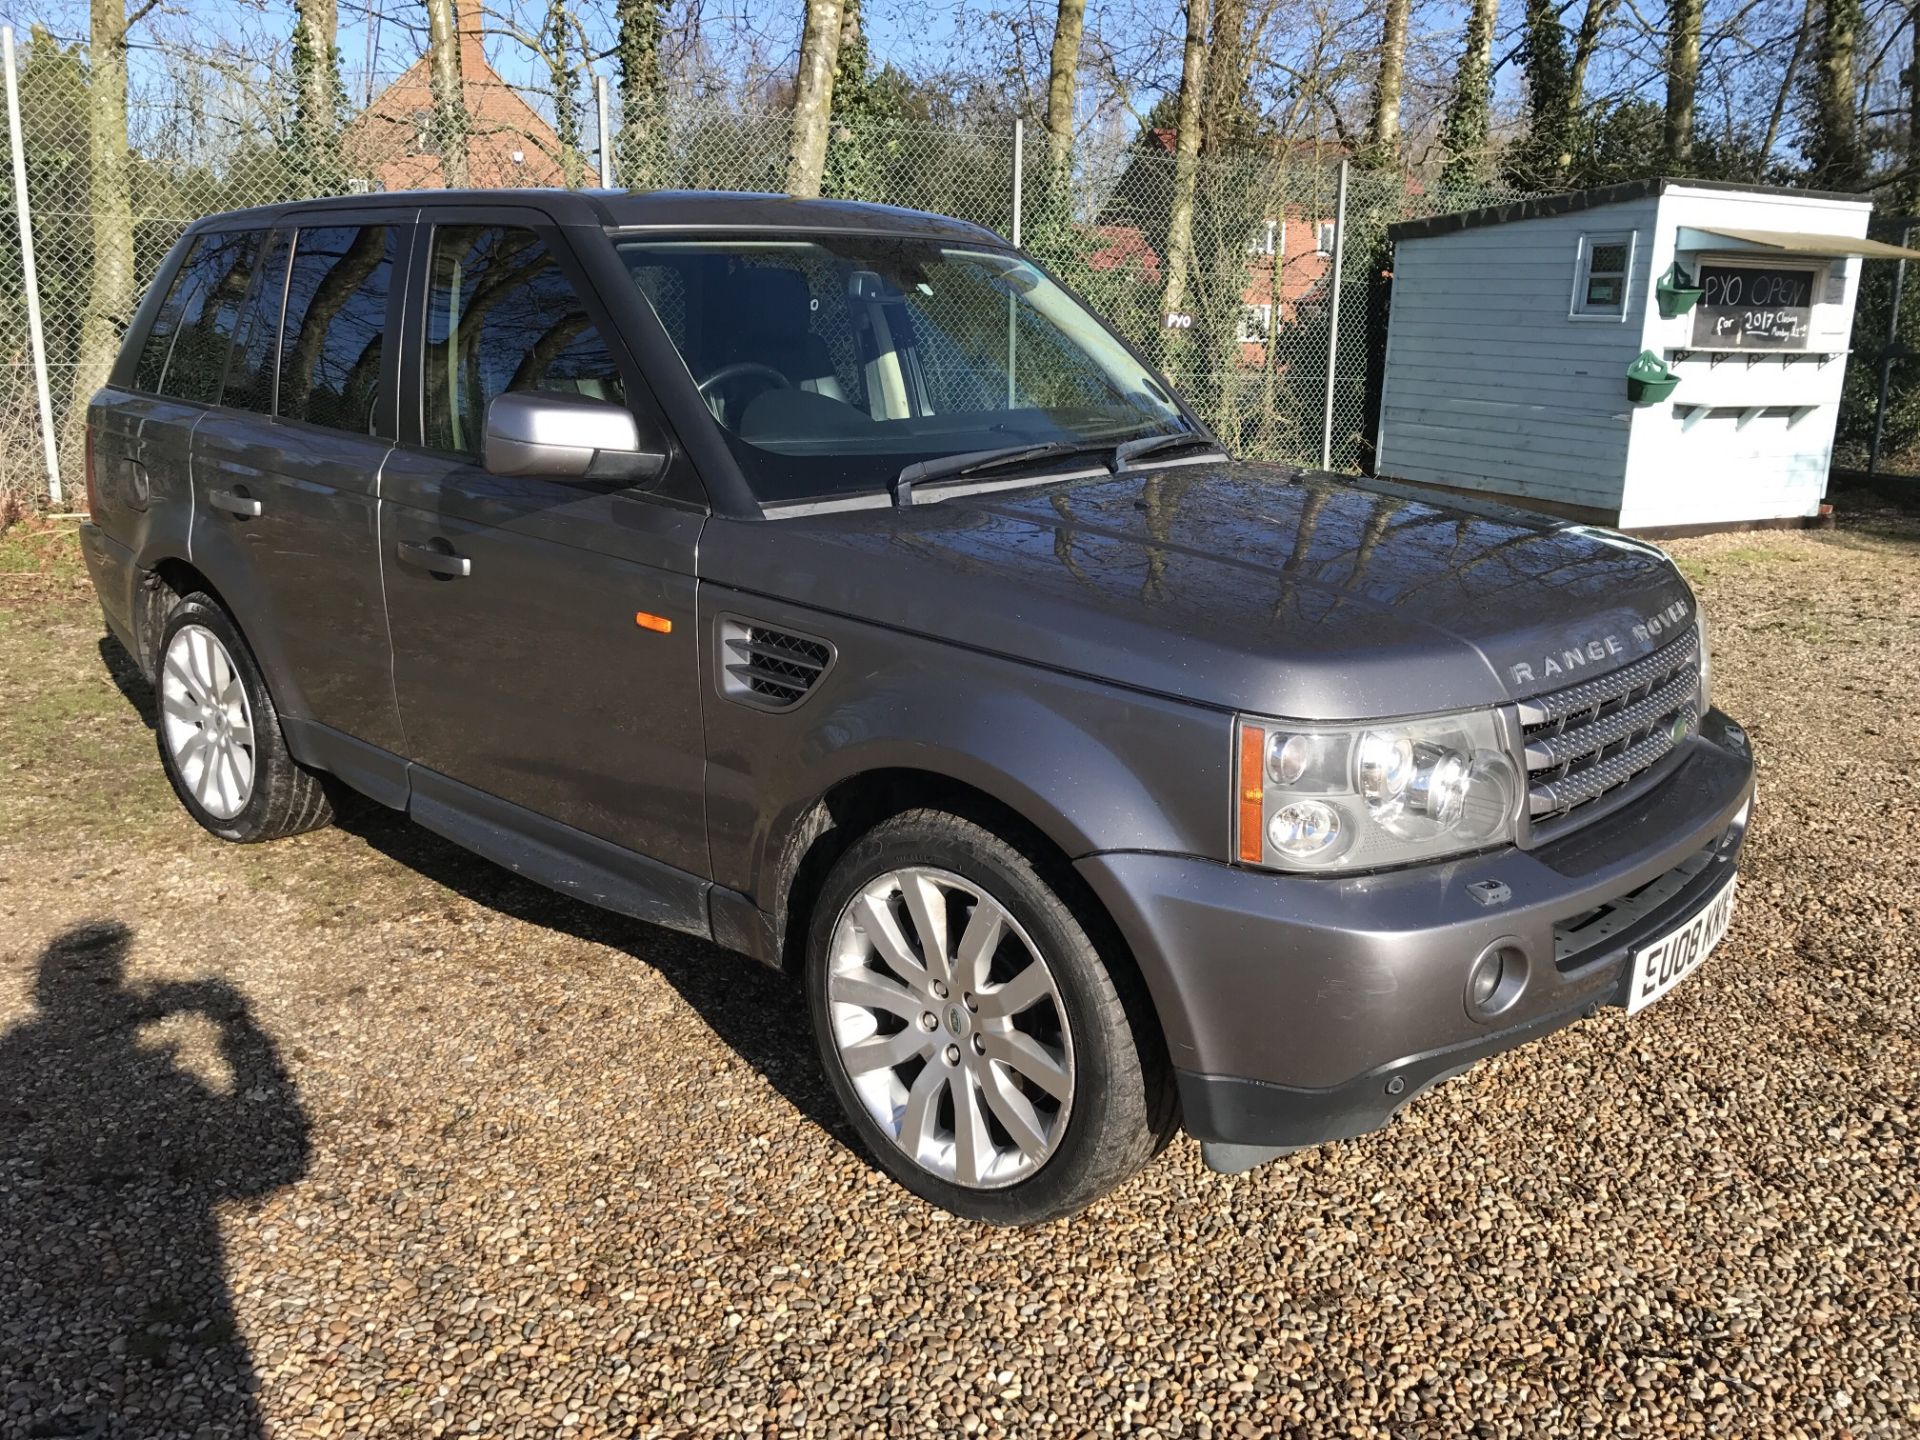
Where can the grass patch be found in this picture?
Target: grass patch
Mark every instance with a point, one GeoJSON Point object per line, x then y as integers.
{"type": "Point", "coordinates": [46, 549]}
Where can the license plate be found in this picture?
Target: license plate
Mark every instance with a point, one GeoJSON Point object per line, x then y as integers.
{"type": "Point", "coordinates": [1669, 960]}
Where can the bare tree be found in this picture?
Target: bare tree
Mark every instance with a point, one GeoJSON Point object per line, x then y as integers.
{"type": "Point", "coordinates": [110, 291]}
{"type": "Point", "coordinates": [1186, 156]}
{"type": "Point", "coordinates": [1586, 43]}
{"type": "Point", "coordinates": [813, 98]}
{"type": "Point", "coordinates": [1683, 78]}
{"type": "Point", "coordinates": [450, 121]}
{"type": "Point", "coordinates": [1383, 126]}
{"type": "Point", "coordinates": [563, 74]}
{"type": "Point", "coordinates": [1063, 74]}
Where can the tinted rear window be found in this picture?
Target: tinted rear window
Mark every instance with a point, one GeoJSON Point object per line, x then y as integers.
{"type": "Point", "coordinates": [336, 324]}
{"type": "Point", "coordinates": [256, 340]}
{"type": "Point", "coordinates": [185, 354]}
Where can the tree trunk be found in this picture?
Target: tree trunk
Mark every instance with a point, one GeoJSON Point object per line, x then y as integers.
{"type": "Point", "coordinates": [110, 290]}
{"type": "Point", "coordinates": [449, 94]}
{"type": "Point", "coordinates": [642, 150]}
{"type": "Point", "coordinates": [1062, 77]}
{"type": "Point", "coordinates": [813, 98]}
{"type": "Point", "coordinates": [1839, 159]}
{"type": "Point", "coordinates": [1469, 118]}
{"type": "Point", "coordinates": [564, 76]}
{"type": "Point", "coordinates": [1383, 129]}
{"type": "Point", "coordinates": [1223, 103]}
{"type": "Point", "coordinates": [1585, 45]}
{"type": "Point", "coordinates": [1683, 77]}
{"type": "Point", "coordinates": [1781, 95]}
{"type": "Point", "coordinates": [318, 96]}
{"type": "Point", "coordinates": [1186, 159]}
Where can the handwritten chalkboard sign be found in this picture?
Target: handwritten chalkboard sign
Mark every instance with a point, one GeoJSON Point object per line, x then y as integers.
{"type": "Point", "coordinates": [1752, 309]}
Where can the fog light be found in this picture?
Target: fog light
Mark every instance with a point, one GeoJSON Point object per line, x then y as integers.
{"type": "Point", "coordinates": [1495, 979]}
{"type": "Point", "coordinates": [1303, 829]}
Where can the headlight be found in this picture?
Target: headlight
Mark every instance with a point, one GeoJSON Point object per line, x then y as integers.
{"type": "Point", "coordinates": [1358, 797]}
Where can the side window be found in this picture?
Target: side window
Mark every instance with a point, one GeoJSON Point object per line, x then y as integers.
{"type": "Point", "coordinates": [336, 324]}
{"type": "Point", "coordinates": [256, 340]}
{"type": "Point", "coordinates": [1600, 275]}
{"type": "Point", "coordinates": [166, 322]}
{"type": "Point", "coordinates": [204, 307]}
{"type": "Point", "coordinates": [501, 316]}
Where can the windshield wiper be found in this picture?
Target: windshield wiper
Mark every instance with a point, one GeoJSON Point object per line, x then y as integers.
{"type": "Point", "coordinates": [1128, 451]}
{"type": "Point", "coordinates": [975, 462]}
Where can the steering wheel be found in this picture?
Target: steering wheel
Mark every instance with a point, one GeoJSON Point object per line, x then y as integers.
{"type": "Point", "coordinates": [739, 369]}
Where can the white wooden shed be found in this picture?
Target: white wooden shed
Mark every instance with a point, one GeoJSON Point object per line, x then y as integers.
{"type": "Point", "coordinates": [1513, 328]}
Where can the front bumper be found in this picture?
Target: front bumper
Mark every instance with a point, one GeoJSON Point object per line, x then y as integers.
{"type": "Point", "coordinates": [1300, 1009]}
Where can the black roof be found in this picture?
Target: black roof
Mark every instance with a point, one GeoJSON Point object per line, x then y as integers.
{"type": "Point", "coordinates": [666, 209]}
{"type": "Point", "coordinates": [1538, 207]}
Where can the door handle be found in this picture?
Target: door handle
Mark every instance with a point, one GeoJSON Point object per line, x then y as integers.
{"type": "Point", "coordinates": [234, 503]}
{"type": "Point", "coordinates": [431, 557]}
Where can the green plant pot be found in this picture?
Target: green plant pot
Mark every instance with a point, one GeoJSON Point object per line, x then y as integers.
{"type": "Point", "coordinates": [1676, 293]}
{"type": "Point", "coordinates": [1649, 379]}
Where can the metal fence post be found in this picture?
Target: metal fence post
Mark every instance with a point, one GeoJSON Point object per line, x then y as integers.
{"type": "Point", "coordinates": [606, 149]}
{"type": "Point", "coordinates": [1333, 317]}
{"type": "Point", "coordinates": [1013, 326]}
{"type": "Point", "coordinates": [29, 277]}
{"type": "Point", "coordinates": [1019, 173]}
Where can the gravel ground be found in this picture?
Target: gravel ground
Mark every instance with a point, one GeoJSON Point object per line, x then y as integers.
{"type": "Point", "coordinates": [356, 1135]}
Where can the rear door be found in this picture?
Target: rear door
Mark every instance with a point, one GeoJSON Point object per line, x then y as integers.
{"type": "Point", "coordinates": [545, 650]}
{"type": "Point", "coordinates": [286, 470]}
{"type": "Point", "coordinates": [141, 425]}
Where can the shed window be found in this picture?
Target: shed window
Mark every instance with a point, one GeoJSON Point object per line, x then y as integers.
{"type": "Point", "coordinates": [1600, 281]}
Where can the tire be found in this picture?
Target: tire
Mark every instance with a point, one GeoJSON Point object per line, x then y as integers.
{"type": "Point", "coordinates": [219, 733]}
{"type": "Point", "coordinates": [1062, 1079]}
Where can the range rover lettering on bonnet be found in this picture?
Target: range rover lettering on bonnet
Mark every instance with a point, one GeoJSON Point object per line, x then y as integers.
{"type": "Point", "coordinates": [1576, 657]}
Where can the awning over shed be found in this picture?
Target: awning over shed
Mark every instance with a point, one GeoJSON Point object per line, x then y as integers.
{"type": "Point", "coordinates": [1796, 242]}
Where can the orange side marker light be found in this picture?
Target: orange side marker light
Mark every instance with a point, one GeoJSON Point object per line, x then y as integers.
{"type": "Point", "coordinates": [659, 624]}
{"type": "Point", "coordinates": [1252, 792]}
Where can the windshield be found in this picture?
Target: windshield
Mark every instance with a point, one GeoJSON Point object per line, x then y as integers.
{"type": "Point", "coordinates": [832, 363]}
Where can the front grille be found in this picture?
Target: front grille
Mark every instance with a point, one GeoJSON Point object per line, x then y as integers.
{"type": "Point", "coordinates": [1591, 739]}
{"type": "Point", "coordinates": [767, 668]}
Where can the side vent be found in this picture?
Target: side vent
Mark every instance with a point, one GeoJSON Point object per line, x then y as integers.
{"type": "Point", "coordinates": [766, 668]}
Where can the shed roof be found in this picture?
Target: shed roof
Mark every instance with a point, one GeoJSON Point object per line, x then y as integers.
{"type": "Point", "coordinates": [1536, 207]}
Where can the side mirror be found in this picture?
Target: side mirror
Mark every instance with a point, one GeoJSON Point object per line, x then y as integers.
{"type": "Point", "coordinates": [565, 437]}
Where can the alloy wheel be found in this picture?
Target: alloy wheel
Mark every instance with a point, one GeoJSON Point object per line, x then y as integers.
{"type": "Point", "coordinates": [206, 721]}
{"type": "Point", "coordinates": [951, 1027]}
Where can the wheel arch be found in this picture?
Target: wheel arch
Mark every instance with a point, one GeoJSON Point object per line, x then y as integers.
{"type": "Point", "coordinates": [857, 803]}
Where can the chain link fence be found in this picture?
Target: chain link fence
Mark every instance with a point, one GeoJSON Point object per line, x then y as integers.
{"type": "Point", "coordinates": [1248, 342]}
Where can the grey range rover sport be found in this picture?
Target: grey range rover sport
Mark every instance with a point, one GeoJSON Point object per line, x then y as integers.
{"type": "Point", "coordinates": [824, 580]}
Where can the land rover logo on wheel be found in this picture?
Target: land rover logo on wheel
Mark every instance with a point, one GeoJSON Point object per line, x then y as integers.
{"type": "Point", "coordinates": [956, 1020]}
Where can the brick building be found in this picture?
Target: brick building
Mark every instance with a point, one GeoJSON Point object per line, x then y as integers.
{"type": "Point", "coordinates": [391, 146]}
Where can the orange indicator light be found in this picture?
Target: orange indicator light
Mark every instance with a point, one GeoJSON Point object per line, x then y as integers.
{"type": "Point", "coordinates": [659, 624]}
{"type": "Point", "coordinates": [1252, 792]}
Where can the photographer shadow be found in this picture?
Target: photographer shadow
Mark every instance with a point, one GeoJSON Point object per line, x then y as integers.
{"type": "Point", "coordinates": [116, 1152]}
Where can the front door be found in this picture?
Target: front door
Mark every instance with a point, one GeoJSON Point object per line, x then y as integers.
{"type": "Point", "coordinates": [544, 643]}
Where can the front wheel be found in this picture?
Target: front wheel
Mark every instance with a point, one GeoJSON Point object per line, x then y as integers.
{"type": "Point", "coordinates": [971, 1029]}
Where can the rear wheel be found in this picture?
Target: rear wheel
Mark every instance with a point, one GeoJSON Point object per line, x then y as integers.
{"type": "Point", "coordinates": [971, 1029]}
{"type": "Point", "coordinates": [219, 733]}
